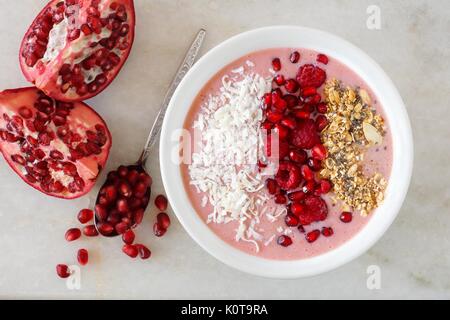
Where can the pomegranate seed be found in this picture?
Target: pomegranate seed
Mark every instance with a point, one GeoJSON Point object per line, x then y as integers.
{"type": "Point", "coordinates": [125, 190]}
{"type": "Point", "coordinates": [302, 114]}
{"type": "Point", "coordinates": [289, 122]}
{"type": "Point", "coordinates": [272, 186]}
{"type": "Point", "coordinates": [161, 202]}
{"type": "Point", "coordinates": [296, 196]}
{"type": "Point", "coordinates": [325, 186]}
{"type": "Point", "coordinates": [280, 199]}
{"type": "Point", "coordinates": [138, 216]}
{"type": "Point", "coordinates": [106, 229]}
{"type": "Point", "coordinates": [130, 250]}
{"type": "Point", "coordinates": [308, 91]}
{"type": "Point", "coordinates": [291, 220]}
{"type": "Point", "coordinates": [267, 100]}
{"type": "Point", "coordinates": [128, 237]}
{"type": "Point", "coordinates": [315, 99]}
{"type": "Point", "coordinates": [327, 231]}
{"type": "Point", "coordinates": [122, 205]}
{"type": "Point", "coordinates": [73, 234]}
{"type": "Point", "coordinates": [314, 164]}
{"type": "Point", "coordinates": [279, 80]}
{"type": "Point", "coordinates": [322, 108]}
{"type": "Point", "coordinates": [309, 187]}
{"type": "Point", "coordinates": [274, 116]}
{"type": "Point", "coordinates": [63, 271]}
{"type": "Point", "coordinates": [319, 152]}
{"type": "Point", "coordinates": [83, 257]}
{"type": "Point", "coordinates": [312, 236]}
{"type": "Point", "coordinates": [122, 171]}
{"type": "Point", "coordinates": [25, 112]}
{"type": "Point", "coordinates": [282, 131]}
{"type": "Point", "coordinates": [121, 227]}
{"type": "Point", "coordinates": [298, 156]}
{"type": "Point", "coordinates": [85, 215]}
{"type": "Point", "coordinates": [307, 172]}
{"type": "Point", "coordinates": [276, 64]}
{"type": "Point", "coordinates": [291, 100]}
{"type": "Point", "coordinates": [295, 57]}
{"type": "Point", "coordinates": [163, 220]}
{"type": "Point", "coordinates": [291, 86]}
{"type": "Point", "coordinates": [158, 230]}
{"type": "Point", "coordinates": [346, 217]}
{"type": "Point", "coordinates": [322, 58]}
{"type": "Point", "coordinates": [101, 212]}
{"type": "Point", "coordinates": [284, 241]}
{"type": "Point", "coordinates": [90, 231]}
{"type": "Point", "coordinates": [301, 229]}
{"type": "Point", "coordinates": [144, 252]}
{"type": "Point", "coordinates": [297, 208]}
{"type": "Point", "coordinates": [321, 122]}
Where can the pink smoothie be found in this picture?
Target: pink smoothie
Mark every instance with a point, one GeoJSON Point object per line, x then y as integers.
{"type": "Point", "coordinates": [377, 158]}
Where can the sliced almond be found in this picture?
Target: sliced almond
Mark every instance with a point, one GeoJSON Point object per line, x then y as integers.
{"type": "Point", "coordinates": [365, 96]}
{"type": "Point", "coordinates": [371, 133]}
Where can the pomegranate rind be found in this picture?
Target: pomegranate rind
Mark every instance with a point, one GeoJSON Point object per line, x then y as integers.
{"type": "Point", "coordinates": [13, 99]}
{"type": "Point", "coordinates": [48, 80]}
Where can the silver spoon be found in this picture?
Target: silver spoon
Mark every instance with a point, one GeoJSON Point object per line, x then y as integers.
{"type": "Point", "coordinates": [123, 198]}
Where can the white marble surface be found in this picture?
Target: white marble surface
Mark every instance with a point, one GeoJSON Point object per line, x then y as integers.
{"type": "Point", "coordinates": [413, 46]}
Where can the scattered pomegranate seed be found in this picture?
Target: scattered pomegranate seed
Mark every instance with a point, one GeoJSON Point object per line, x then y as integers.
{"type": "Point", "coordinates": [272, 186]}
{"type": "Point", "coordinates": [144, 252]}
{"type": "Point", "coordinates": [163, 220]}
{"type": "Point", "coordinates": [279, 80]}
{"type": "Point", "coordinates": [280, 199]}
{"type": "Point", "coordinates": [274, 116]}
{"type": "Point", "coordinates": [322, 108]}
{"type": "Point", "coordinates": [297, 208]}
{"type": "Point", "coordinates": [130, 250]}
{"type": "Point", "coordinates": [267, 100]}
{"type": "Point", "coordinates": [325, 186]}
{"type": "Point", "coordinates": [309, 187]}
{"type": "Point", "coordinates": [128, 237]}
{"type": "Point", "coordinates": [90, 231]}
{"type": "Point", "coordinates": [63, 271]}
{"type": "Point", "coordinates": [319, 152]}
{"type": "Point", "coordinates": [295, 57]}
{"type": "Point", "coordinates": [322, 58]}
{"type": "Point", "coordinates": [346, 217]}
{"type": "Point", "coordinates": [83, 257]}
{"type": "Point", "coordinates": [298, 156]}
{"type": "Point", "coordinates": [296, 196]}
{"type": "Point", "coordinates": [312, 236]}
{"type": "Point", "coordinates": [73, 234]}
{"type": "Point", "coordinates": [276, 64]}
{"type": "Point", "coordinates": [291, 220]}
{"type": "Point", "coordinates": [158, 230]}
{"type": "Point", "coordinates": [302, 114]}
{"type": "Point", "coordinates": [307, 173]}
{"type": "Point", "coordinates": [327, 231]}
{"type": "Point", "coordinates": [289, 122]}
{"type": "Point", "coordinates": [314, 164]}
{"type": "Point", "coordinates": [85, 215]}
{"type": "Point", "coordinates": [291, 86]}
{"type": "Point", "coordinates": [309, 91]}
{"type": "Point", "coordinates": [161, 202]}
{"type": "Point", "coordinates": [301, 229]}
{"type": "Point", "coordinates": [321, 122]}
{"type": "Point", "coordinates": [284, 241]}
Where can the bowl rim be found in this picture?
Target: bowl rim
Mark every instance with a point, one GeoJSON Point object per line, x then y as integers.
{"type": "Point", "coordinates": [283, 37]}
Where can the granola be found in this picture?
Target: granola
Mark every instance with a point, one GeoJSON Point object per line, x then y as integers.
{"type": "Point", "coordinates": [353, 126]}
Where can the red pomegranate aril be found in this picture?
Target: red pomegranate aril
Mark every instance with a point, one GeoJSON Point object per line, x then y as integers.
{"type": "Point", "coordinates": [295, 57]}
{"type": "Point", "coordinates": [105, 228]}
{"type": "Point", "coordinates": [282, 131]}
{"type": "Point", "coordinates": [291, 220]}
{"type": "Point", "coordinates": [309, 187]}
{"type": "Point", "coordinates": [314, 164]}
{"type": "Point", "coordinates": [299, 156]}
{"type": "Point", "coordinates": [276, 64]}
{"type": "Point", "coordinates": [312, 236]}
{"type": "Point", "coordinates": [85, 215]}
{"type": "Point", "coordinates": [25, 112]}
{"type": "Point", "coordinates": [73, 234]}
{"type": "Point", "coordinates": [63, 271]}
{"type": "Point", "coordinates": [297, 208]}
{"type": "Point", "coordinates": [279, 80]}
{"type": "Point", "coordinates": [291, 100]}
{"type": "Point", "coordinates": [90, 231]}
{"type": "Point", "coordinates": [161, 202]}
{"type": "Point", "coordinates": [291, 86]}
{"type": "Point", "coordinates": [272, 186]}
{"type": "Point", "coordinates": [319, 152]}
{"type": "Point", "coordinates": [280, 199]}
{"type": "Point", "coordinates": [325, 186]}
{"type": "Point", "coordinates": [302, 114]}
{"type": "Point", "coordinates": [83, 257]}
{"type": "Point", "coordinates": [125, 190]}
{"type": "Point", "coordinates": [346, 217]}
{"type": "Point", "coordinates": [128, 237]}
{"type": "Point", "coordinates": [308, 91]}
{"type": "Point", "coordinates": [322, 108]}
{"type": "Point", "coordinates": [322, 58]}
{"type": "Point", "coordinates": [144, 252]}
{"type": "Point", "coordinates": [138, 216]}
{"type": "Point", "coordinates": [130, 250]}
{"type": "Point", "coordinates": [101, 212]}
{"type": "Point", "coordinates": [274, 116]}
{"type": "Point", "coordinates": [296, 196]}
{"type": "Point", "coordinates": [133, 177]}
{"type": "Point", "coordinates": [163, 220]}
{"type": "Point", "coordinates": [122, 205]}
{"type": "Point", "coordinates": [158, 230]}
{"type": "Point", "coordinates": [267, 100]}
{"type": "Point", "coordinates": [327, 231]}
{"type": "Point", "coordinates": [301, 229]}
{"type": "Point", "coordinates": [284, 241]}
{"type": "Point", "coordinates": [121, 227]}
{"type": "Point", "coordinates": [321, 122]}
{"type": "Point", "coordinates": [307, 173]}
{"type": "Point", "coordinates": [289, 122]}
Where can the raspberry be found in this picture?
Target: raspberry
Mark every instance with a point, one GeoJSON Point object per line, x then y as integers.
{"type": "Point", "coordinates": [311, 76]}
{"type": "Point", "coordinates": [315, 210]}
{"type": "Point", "coordinates": [288, 176]}
{"type": "Point", "coordinates": [305, 136]}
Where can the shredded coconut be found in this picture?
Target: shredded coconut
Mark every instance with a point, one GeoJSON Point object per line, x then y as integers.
{"type": "Point", "coordinates": [224, 165]}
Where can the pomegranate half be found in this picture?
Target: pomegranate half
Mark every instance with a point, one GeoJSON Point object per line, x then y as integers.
{"type": "Point", "coordinates": [57, 147]}
{"type": "Point", "coordinates": [75, 48]}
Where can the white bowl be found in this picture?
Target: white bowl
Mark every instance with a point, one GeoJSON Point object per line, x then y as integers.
{"type": "Point", "coordinates": [290, 37]}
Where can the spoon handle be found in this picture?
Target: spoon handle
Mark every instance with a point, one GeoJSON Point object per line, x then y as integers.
{"type": "Point", "coordinates": [187, 63]}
